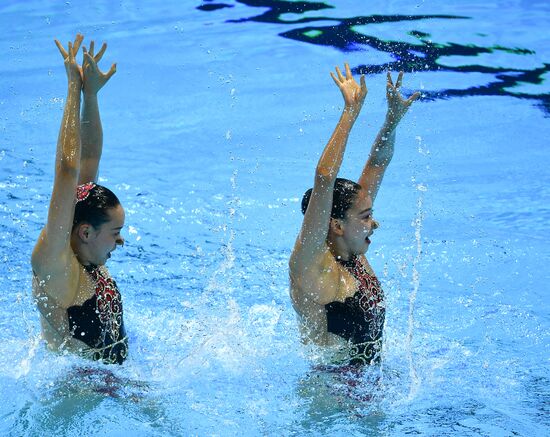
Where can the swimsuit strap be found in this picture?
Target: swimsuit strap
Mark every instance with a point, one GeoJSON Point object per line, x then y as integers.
{"type": "Point", "coordinates": [358, 270]}
{"type": "Point", "coordinates": [355, 267]}
{"type": "Point", "coordinates": [369, 288]}
{"type": "Point", "coordinates": [90, 268]}
{"type": "Point", "coordinates": [349, 264]}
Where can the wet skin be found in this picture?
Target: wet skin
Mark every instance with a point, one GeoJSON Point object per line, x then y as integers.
{"type": "Point", "coordinates": [356, 228]}
{"type": "Point", "coordinates": [102, 241]}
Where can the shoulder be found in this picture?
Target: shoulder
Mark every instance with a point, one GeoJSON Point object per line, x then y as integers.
{"type": "Point", "coordinates": [58, 280]}
{"type": "Point", "coordinates": [303, 264]}
{"type": "Point", "coordinates": [46, 258]}
{"type": "Point", "coordinates": [317, 282]}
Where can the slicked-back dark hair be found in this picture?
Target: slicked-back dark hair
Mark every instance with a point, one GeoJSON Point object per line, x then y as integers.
{"type": "Point", "coordinates": [94, 208]}
{"type": "Point", "coordinates": [345, 192]}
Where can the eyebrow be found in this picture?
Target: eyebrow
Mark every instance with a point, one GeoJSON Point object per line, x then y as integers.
{"type": "Point", "coordinates": [365, 210]}
{"type": "Point", "coordinates": [117, 229]}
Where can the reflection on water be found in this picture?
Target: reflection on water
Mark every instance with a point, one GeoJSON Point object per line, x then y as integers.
{"type": "Point", "coordinates": [424, 55]}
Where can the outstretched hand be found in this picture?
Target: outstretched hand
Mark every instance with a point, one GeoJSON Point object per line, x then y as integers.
{"type": "Point", "coordinates": [397, 105]}
{"type": "Point", "coordinates": [69, 56]}
{"type": "Point", "coordinates": [93, 79]}
{"type": "Point", "coordinates": [353, 93]}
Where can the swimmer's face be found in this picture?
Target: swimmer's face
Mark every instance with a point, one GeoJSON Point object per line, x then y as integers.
{"type": "Point", "coordinates": [359, 224]}
{"type": "Point", "coordinates": [105, 239]}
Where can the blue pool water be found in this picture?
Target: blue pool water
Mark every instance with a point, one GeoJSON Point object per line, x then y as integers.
{"type": "Point", "coordinates": [213, 124]}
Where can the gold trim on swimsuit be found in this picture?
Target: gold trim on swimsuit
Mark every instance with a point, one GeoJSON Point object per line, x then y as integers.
{"type": "Point", "coordinates": [97, 353]}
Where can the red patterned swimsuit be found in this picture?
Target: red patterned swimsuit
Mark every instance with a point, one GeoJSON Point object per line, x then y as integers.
{"type": "Point", "coordinates": [98, 322]}
{"type": "Point", "coordinates": [360, 318]}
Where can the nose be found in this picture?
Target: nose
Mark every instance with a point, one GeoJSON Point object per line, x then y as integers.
{"type": "Point", "coordinates": [375, 224]}
{"type": "Point", "coordinates": [120, 241]}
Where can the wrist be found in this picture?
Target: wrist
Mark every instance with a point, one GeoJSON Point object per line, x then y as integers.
{"type": "Point", "coordinates": [391, 121]}
{"type": "Point", "coordinates": [75, 86]}
{"type": "Point", "coordinates": [89, 95]}
{"type": "Point", "coordinates": [350, 113]}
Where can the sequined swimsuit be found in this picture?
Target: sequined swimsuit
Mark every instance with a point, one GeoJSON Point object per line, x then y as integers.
{"type": "Point", "coordinates": [360, 318]}
{"type": "Point", "coordinates": [98, 321]}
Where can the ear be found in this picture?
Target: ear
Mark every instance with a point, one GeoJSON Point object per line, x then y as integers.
{"type": "Point", "coordinates": [336, 226]}
{"type": "Point", "coordinates": [85, 232]}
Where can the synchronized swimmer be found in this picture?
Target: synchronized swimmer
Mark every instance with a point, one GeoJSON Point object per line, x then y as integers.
{"type": "Point", "coordinates": [79, 303]}
{"type": "Point", "coordinates": [332, 285]}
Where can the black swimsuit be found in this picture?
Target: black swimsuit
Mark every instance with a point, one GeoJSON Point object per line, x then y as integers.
{"type": "Point", "coordinates": [360, 318]}
{"type": "Point", "coordinates": [98, 321]}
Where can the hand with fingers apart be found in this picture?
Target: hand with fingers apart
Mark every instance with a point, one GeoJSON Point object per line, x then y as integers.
{"type": "Point", "coordinates": [94, 79]}
{"type": "Point", "coordinates": [397, 105]}
{"type": "Point", "coordinates": [69, 56]}
{"type": "Point", "coordinates": [353, 93]}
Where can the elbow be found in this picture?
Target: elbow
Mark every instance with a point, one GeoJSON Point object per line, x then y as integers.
{"type": "Point", "coordinates": [67, 167]}
{"type": "Point", "coordinates": [324, 174]}
{"type": "Point", "coordinates": [380, 163]}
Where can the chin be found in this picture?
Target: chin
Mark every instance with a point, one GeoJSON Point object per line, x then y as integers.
{"type": "Point", "coordinates": [102, 262]}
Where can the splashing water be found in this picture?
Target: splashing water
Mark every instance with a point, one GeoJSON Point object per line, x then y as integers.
{"type": "Point", "coordinates": [417, 224]}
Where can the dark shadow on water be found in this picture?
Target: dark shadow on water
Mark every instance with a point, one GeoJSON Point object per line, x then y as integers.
{"type": "Point", "coordinates": [423, 56]}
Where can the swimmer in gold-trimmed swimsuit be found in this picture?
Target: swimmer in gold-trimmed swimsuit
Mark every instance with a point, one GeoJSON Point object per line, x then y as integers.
{"type": "Point", "coordinates": [332, 285]}
{"type": "Point", "coordinates": [79, 303]}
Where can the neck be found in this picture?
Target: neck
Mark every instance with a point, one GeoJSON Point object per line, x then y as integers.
{"type": "Point", "coordinates": [339, 249]}
{"type": "Point", "coordinates": [80, 251]}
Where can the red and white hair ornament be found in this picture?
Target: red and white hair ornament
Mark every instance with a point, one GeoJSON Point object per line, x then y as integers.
{"type": "Point", "coordinates": [83, 191]}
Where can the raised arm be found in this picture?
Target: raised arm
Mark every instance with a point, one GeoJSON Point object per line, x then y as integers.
{"type": "Point", "coordinates": [382, 150]}
{"type": "Point", "coordinates": [311, 246]}
{"type": "Point", "coordinates": [53, 244]}
{"type": "Point", "coordinates": [91, 130]}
